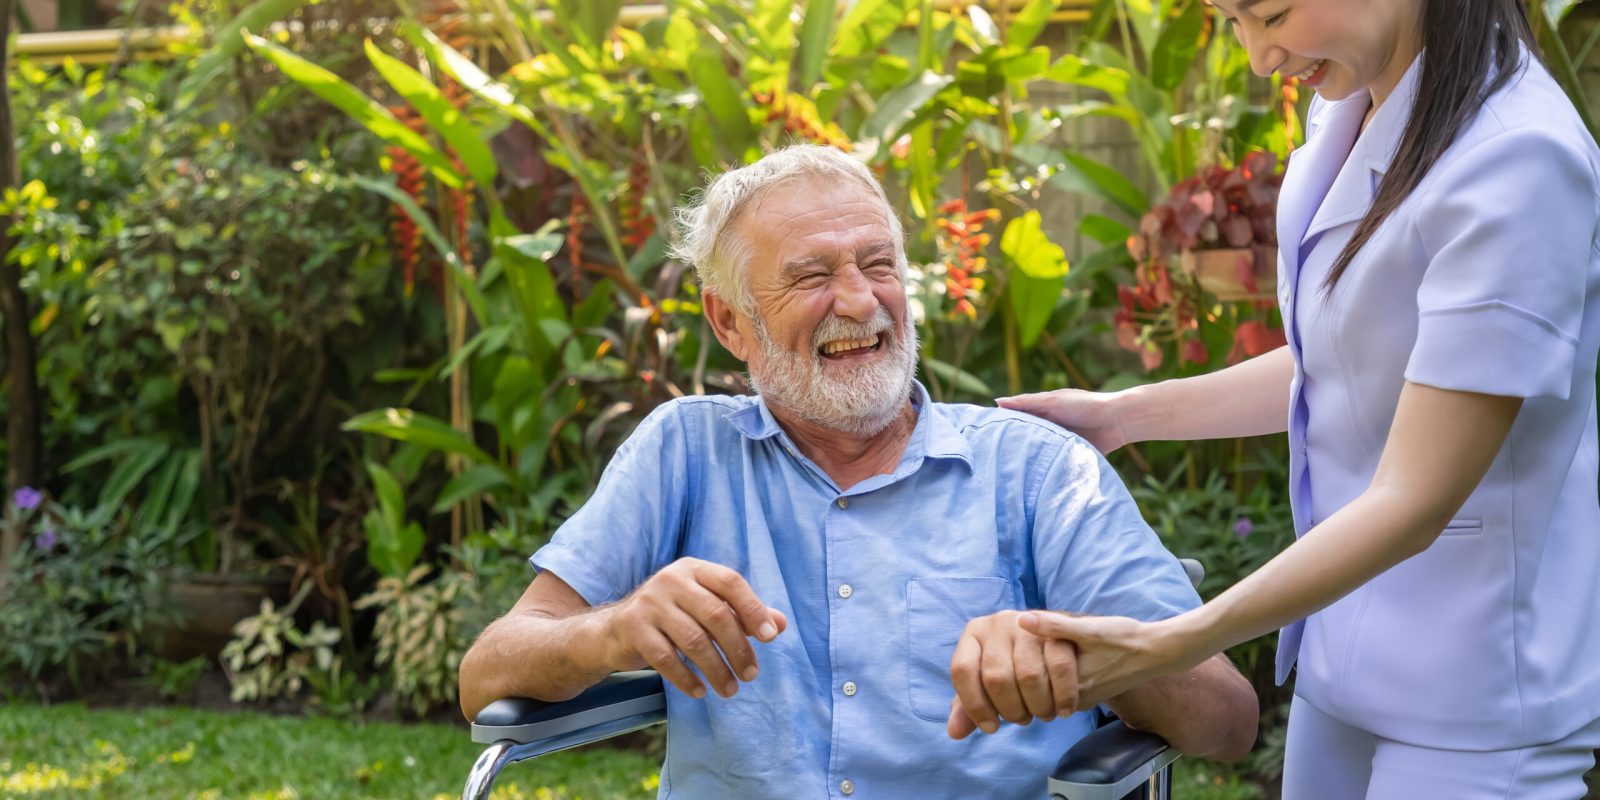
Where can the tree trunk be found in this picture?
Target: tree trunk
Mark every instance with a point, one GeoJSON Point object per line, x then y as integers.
{"type": "Point", "coordinates": [24, 441]}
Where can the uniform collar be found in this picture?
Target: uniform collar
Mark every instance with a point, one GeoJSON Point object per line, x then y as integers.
{"type": "Point", "coordinates": [933, 437]}
{"type": "Point", "coordinates": [1355, 178]}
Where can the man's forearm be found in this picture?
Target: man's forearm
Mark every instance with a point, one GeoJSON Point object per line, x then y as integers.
{"type": "Point", "coordinates": [529, 655]}
{"type": "Point", "coordinates": [1209, 711]}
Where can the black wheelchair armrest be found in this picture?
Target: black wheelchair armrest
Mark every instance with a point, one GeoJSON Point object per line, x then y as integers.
{"type": "Point", "coordinates": [621, 696]}
{"type": "Point", "coordinates": [517, 729]}
{"type": "Point", "coordinates": [1109, 764]}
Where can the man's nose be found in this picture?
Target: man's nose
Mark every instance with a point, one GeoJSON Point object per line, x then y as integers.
{"type": "Point", "coordinates": [852, 296]}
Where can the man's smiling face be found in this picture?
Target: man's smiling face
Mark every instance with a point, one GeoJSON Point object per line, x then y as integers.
{"type": "Point", "coordinates": [833, 340]}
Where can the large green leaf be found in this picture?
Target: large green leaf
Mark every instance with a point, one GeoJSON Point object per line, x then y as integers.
{"type": "Point", "coordinates": [374, 117]}
{"type": "Point", "coordinates": [721, 95]}
{"type": "Point", "coordinates": [476, 479]}
{"type": "Point", "coordinates": [228, 43]}
{"type": "Point", "coordinates": [899, 106]}
{"type": "Point", "coordinates": [533, 290]}
{"type": "Point", "coordinates": [815, 31]}
{"type": "Point", "coordinates": [1029, 22]}
{"type": "Point", "coordinates": [866, 25]}
{"type": "Point", "coordinates": [1105, 181]}
{"type": "Point", "coordinates": [1039, 271]}
{"type": "Point", "coordinates": [1029, 249]}
{"type": "Point", "coordinates": [957, 377]}
{"type": "Point", "coordinates": [127, 475]}
{"type": "Point", "coordinates": [596, 17]}
{"type": "Point", "coordinates": [406, 425]}
{"type": "Point", "coordinates": [440, 113]}
{"type": "Point", "coordinates": [1556, 10]}
{"type": "Point", "coordinates": [1080, 71]}
{"type": "Point", "coordinates": [392, 544]}
{"type": "Point", "coordinates": [1177, 47]}
{"type": "Point", "coordinates": [1070, 172]}
{"type": "Point", "coordinates": [457, 65]}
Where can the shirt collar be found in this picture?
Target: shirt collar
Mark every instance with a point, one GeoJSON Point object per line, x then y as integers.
{"type": "Point", "coordinates": [1381, 139]}
{"type": "Point", "coordinates": [933, 437]}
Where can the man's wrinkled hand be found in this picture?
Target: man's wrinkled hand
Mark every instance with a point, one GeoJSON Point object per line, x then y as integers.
{"type": "Point", "coordinates": [1002, 672]}
{"type": "Point", "coordinates": [696, 611]}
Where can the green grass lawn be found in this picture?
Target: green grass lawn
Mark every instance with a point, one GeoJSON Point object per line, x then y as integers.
{"type": "Point", "coordinates": [69, 751]}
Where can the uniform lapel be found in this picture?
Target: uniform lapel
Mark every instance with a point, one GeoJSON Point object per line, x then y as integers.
{"type": "Point", "coordinates": [1312, 170]}
{"type": "Point", "coordinates": [1350, 195]}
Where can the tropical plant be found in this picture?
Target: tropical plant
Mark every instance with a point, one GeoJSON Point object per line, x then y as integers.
{"type": "Point", "coordinates": [270, 656]}
{"type": "Point", "coordinates": [1170, 303]}
{"type": "Point", "coordinates": [80, 590]}
{"type": "Point", "coordinates": [420, 633]}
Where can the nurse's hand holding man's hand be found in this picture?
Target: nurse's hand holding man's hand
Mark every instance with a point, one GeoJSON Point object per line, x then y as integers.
{"type": "Point", "coordinates": [1115, 654]}
{"type": "Point", "coordinates": [1001, 671]}
{"type": "Point", "coordinates": [1024, 665]}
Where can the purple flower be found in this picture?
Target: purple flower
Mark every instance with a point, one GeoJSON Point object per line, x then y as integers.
{"type": "Point", "coordinates": [1242, 527]}
{"type": "Point", "coordinates": [26, 498]}
{"type": "Point", "coordinates": [46, 540]}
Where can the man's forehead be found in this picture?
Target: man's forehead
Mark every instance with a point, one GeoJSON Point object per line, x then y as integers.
{"type": "Point", "coordinates": [801, 215]}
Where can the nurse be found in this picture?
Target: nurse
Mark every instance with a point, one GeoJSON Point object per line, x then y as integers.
{"type": "Point", "coordinates": [1441, 293]}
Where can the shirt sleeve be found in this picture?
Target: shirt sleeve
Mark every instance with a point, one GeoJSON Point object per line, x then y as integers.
{"type": "Point", "coordinates": [630, 526]}
{"type": "Point", "coordinates": [1510, 228]}
{"type": "Point", "coordinates": [1093, 552]}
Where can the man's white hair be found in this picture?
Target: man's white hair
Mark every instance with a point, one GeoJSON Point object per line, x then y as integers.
{"type": "Point", "coordinates": [719, 255]}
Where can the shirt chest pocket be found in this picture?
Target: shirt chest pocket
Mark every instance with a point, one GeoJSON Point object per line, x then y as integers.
{"type": "Point", "coordinates": [937, 610]}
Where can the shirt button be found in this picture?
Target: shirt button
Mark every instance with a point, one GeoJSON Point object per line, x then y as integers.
{"type": "Point", "coordinates": [844, 502]}
{"type": "Point", "coordinates": [847, 787]}
{"type": "Point", "coordinates": [845, 591]}
{"type": "Point", "coordinates": [849, 688]}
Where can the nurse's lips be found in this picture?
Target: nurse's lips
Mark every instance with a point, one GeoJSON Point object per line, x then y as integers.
{"type": "Point", "coordinates": [1313, 73]}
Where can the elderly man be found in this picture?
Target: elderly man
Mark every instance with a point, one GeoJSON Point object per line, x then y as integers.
{"type": "Point", "coordinates": [852, 552]}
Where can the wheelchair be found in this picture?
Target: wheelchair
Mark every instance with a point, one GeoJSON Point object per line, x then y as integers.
{"type": "Point", "coordinates": [1113, 762]}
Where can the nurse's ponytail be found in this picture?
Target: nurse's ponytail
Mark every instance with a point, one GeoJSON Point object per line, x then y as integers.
{"type": "Point", "coordinates": [1463, 42]}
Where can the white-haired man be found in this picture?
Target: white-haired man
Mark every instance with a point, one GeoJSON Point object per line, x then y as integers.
{"type": "Point", "coordinates": [852, 552]}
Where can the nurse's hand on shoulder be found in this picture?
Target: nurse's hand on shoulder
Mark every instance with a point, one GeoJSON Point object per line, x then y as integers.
{"type": "Point", "coordinates": [1001, 672]}
{"type": "Point", "coordinates": [1114, 654]}
{"type": "Point", "coordinates": [1088, 414]}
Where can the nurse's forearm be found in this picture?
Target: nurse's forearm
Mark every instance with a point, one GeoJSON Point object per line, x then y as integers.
{"type": "Point", "coordinates": [1440, 446]}
{"type": "Point", "coordinates": [1250, 398]}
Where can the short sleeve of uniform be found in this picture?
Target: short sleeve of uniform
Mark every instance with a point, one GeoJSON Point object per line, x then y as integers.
{"type": "Point", "coordinates": [1509, 226]}
{"type": "Point", "coordinates": [1093, 552]}
{"type": "Point", "coordinates": [630, 526]}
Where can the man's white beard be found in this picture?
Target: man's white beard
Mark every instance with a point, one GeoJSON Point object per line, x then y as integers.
{"type": "Point", "coordinates": [860, 399]}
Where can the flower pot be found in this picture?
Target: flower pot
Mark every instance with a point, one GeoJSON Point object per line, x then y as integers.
{"type": "Point", "coordinates": [1235, 274]}
{"type": "Point", "coordinates": [201, 608]}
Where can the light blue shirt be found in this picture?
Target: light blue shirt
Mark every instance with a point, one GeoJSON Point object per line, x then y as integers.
{"type": "Point", "coordinates": [987, 510]}
{"type": "Point", "coordinates": [1486, 279]}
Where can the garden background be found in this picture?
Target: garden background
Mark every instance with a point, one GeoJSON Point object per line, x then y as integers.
{"type": "Point", "coordinates": [320, 317]}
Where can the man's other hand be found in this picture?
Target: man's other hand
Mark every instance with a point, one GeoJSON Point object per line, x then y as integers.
{"type": "Point", "coordinates": [1001, 671]}
{"type": "Point", "coordinates": [702, 610]}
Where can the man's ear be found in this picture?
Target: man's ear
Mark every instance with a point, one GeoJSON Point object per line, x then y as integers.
{"type": "Point", "coordinates": [725, 323]}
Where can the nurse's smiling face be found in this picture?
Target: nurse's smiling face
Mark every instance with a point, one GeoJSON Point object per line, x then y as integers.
{"type": "Point", "coordinates": [1338, 47]}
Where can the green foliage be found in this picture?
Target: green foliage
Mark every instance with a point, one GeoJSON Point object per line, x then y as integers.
{"type": "Point", "coordinates": [393, 544]}
{"type": "Point", "coordinates": [1231, 529]}
{"type": "Point", "coordinates": [171, 679]}
{"type": "Point", "coordinates": [270, 656]}
{"type": "Point", "coordinates": [79, 591]}
{"type": "Point", "coordinates": [421, 634]}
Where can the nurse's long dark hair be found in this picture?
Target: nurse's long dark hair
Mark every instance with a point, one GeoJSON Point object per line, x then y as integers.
{"type": "Point", "coordinates": [1463, 41]}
